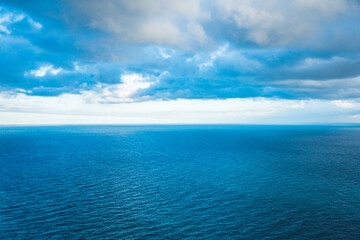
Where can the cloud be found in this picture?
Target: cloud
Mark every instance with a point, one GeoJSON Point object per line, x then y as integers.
{"type": "Point", "coordinates": [190, 24]}
{"type": "Point", "coordinates": [161, 22]}
{"type": "Point", "coordinates": [299, 23]}
{"type": "Point", "coordinates": [44, 70]}
{"type": "Point", "coordinates": [208, 49]}
{"type": "Point", "coordinates": [203, 24]}
{"type": "Point", "coordinates": [343, 104]}
{"type": "Point", "coordinates": [346, 88]}
{"type": "Point", "coordinates": [75, 109]}
{"type": "Point", "coordinates": [8, 19]}
{"type": "Point", "coordinates": [123, 92]}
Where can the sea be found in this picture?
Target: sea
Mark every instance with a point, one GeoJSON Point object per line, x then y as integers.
{"type": "Point", "coordinates": [180, 182]}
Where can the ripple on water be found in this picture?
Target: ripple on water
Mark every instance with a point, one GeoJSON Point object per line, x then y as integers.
{"type": "Point", "coordinates": [176, 182]}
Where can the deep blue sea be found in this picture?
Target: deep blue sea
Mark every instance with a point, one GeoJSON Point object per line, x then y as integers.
{"type": "Point", "coordinates": [180, 182]}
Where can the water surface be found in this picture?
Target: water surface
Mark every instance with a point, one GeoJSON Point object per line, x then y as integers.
{"type": "Point", "coordinates": [180, 182]}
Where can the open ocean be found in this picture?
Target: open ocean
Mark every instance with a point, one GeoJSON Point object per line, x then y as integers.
{"type": "Point", "coordinates": [180, 182]}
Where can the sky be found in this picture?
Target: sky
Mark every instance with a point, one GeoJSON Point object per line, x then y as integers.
{"type": "Point", "coordinates": [174, 62]}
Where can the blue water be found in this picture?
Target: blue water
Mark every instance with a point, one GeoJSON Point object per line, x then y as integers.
{"type": "Point", "coordinates": [180, 182]}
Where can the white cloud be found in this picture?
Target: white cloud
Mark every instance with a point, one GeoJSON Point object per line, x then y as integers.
{"type": "Point", "coordinates": [36, 25]}
{"type": "Point", "coordinates": [8, 18]}
{"type": "Point", "coordinates": [4, 30]}
{"type": "Point", "coordinates": [41, 72]}
{"type": "Point", "coordinates": [312, 63]}
{"type": "Point", "coordinates": [343, 104]}
{"type": "Point", "coordinates": [164, 53]}
{"type": "Point", "coordinates": [55, 71]}
{"type": "Point", "coordinates": [76, 109]}
{"type": "Point", "coordinates": [44, 70]}
{"type": "Point", "coordinates": [123, 92]}
{"type": "Point", "coordinates": [225, 58]}
{"type": "Point", "coordinates": [213, 56]}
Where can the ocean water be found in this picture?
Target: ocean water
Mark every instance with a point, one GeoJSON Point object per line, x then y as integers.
{"type": "Point", "coordinates": [180, 182]}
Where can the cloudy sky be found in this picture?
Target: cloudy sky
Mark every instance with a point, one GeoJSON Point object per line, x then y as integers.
{"type": "Point", "coordinates": [189, 61]}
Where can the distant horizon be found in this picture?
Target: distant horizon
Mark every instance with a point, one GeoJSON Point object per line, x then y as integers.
{"type": "Point", "coordinates": [185, 125]}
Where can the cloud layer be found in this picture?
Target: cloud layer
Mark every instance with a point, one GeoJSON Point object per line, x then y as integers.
{"type": "Point", "coordinates": [81, 109]}
{"type": "Point", "coordinates": [133, 50]}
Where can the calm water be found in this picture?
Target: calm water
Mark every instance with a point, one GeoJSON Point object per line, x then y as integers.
{"type": "Point", "coordinates": [180, 182]}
